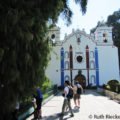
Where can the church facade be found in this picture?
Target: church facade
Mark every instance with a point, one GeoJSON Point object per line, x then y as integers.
{"type": "Point", "coordinates": [94, 55]}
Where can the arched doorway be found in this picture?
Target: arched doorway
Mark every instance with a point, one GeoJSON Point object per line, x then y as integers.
{"type": "Point", "coordinates": [81, 79]}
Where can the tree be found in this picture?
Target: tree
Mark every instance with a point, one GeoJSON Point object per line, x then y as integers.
{"type": "Point", "coordinates": [24, 47]}
{"type": "Point", "coordinates": [100, 23]}
{"type": "Point", "coordinates": [114, 21]}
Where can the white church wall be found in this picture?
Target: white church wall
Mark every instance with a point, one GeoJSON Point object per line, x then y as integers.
{"type": "Point", "coordinates": [53, 70]}
{"type": "Point", "coordinates": [103, 33]}
{"type": "Point", "coordinates": [108, 64]}
{"type": "Point", "coordinates": [80, 49]}
{"type": "Point", "coordinates": [92, 77]}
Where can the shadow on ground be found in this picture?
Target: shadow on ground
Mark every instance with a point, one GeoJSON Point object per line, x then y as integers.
{"type": "Point", "coordinates": [57, 116]}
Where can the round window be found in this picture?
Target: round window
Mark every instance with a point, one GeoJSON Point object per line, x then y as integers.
{"type": "Point", "coordinates": [79, 58]}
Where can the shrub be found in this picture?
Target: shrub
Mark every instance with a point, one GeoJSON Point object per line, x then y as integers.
{"type": "Point", "coordinates": [60, 88]}
{"type": "Point", "coordinates": [107, 87]}
{"type": "Point", "coordinates": [47, 84]}
{"type": "Point", "coordinates": [113, 82]}
{"type": "Point", "coordinates": [113, 85]}
{"type": "Point", "coordinates": [118, 88]}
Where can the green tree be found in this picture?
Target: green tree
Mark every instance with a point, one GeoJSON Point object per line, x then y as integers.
{"type": "Point", "coordinates": [100, 23]}
{"type": "Point", "coordinates": [114, 21]}
{"type": "Point", "coordinates": [23, 47]}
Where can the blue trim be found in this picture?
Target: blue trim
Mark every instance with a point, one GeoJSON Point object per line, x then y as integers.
{"type": "Point", "coordinates": [62, 66]}
{"type": "Point", "coordinates": [97, 66]}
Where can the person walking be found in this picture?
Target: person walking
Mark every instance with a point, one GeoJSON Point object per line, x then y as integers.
{"type": "Point", "coordinates": [78, 90]}
{"type": "Point", "coordinates": [67, 97]}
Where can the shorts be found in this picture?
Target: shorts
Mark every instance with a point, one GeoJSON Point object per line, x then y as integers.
{"type": "Point", "coordinates": [39, 103]}
{"type": "Point", "coordinates": [76, 96]}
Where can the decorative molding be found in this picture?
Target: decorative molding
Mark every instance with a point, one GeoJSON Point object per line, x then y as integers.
{"type": "Point", "coordinates": [67, 37]}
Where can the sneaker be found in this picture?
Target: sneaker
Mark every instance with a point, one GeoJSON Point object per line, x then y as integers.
{"type": "Point", "coordinates": [72, 115]}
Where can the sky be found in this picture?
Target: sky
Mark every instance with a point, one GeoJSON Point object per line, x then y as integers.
{"type": "Point", "coordinates": [97, 10]}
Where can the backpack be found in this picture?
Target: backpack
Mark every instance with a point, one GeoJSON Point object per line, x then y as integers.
{"type": "Point", "coordinates": [79, 90]}
{"type": "Point", "coordinates": [70, 93]}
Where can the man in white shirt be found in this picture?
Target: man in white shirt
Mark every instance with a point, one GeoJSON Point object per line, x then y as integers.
{"type": "Point", "coordinates": [66, 99]}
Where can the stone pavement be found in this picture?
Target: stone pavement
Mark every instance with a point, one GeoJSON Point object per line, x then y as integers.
{"type": "Point", "coordinates": [93, 107]}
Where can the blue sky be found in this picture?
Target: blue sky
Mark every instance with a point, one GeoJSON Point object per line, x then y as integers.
{"type": "Point", "coordinates": [97, 10]}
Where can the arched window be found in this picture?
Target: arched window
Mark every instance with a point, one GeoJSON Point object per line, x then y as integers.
{"type": "Point", "coordinates": [66, 65]}
{"type": "Point", "coordinates": [66, 54]}
{"type": "Point", "coordinates": [67, 77]}
{"type": "Point", "coordinates": [105, 37]}
{"type": "Point", "coordinates": [91, 54]}
{"type": "Point", "coordinates": [78, 40]}
{"type": "Point", "coordinates": [92, 64]}
{"type": "Point", "coordinates": [93, 81]}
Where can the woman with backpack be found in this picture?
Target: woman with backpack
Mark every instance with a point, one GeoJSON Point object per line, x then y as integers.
{"type": "Point", "coordinates": [78, 90]}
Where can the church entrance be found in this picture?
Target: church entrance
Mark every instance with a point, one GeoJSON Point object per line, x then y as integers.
{"type": "Point", "coordinates": [81, 79]}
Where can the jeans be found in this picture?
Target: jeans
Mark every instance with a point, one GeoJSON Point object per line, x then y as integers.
{"type": "Point", "coordinates": [65, 104]}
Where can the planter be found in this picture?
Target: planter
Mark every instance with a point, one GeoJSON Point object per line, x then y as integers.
{"type": "Point", "coordinates": [117, 97]}
{"type": "Point", "coordinates": [110, 94]}
{"type": "Point", "coordinates": [26, 113]}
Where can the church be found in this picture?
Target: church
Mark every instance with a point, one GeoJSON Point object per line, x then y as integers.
{"type": "Point", "coordinates": [93, 54]}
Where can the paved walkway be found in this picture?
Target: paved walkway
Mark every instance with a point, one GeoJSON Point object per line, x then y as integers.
{"type": "Point", "coordinates": [93, 107]}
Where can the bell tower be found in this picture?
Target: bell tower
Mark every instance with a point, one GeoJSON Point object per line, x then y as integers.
{"type": "Point", "coordinates": [103, 35]}
{"type": "Point", "coordinates": [54, 34]}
